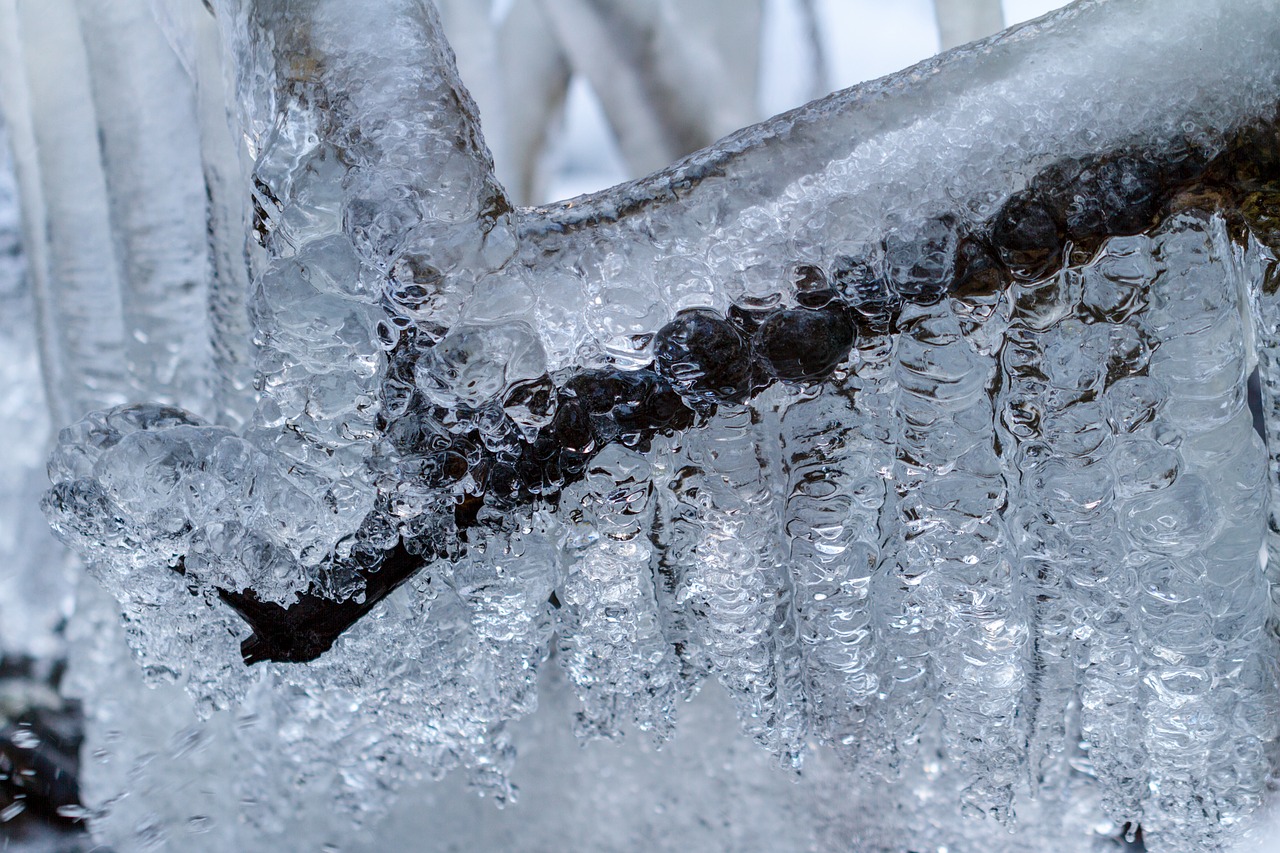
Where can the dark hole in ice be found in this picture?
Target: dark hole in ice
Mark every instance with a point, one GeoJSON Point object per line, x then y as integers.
{"type": "Point", "coordinates": [811, 286]}
{"type": "Point", "coordinates": [1255, 404]}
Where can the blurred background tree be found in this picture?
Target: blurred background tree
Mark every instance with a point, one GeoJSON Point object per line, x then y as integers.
{"type": "Point", "coordinates": [578, 95]}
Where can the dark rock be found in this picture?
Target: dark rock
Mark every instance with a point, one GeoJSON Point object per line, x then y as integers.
{"type": "Point", "coordinates": [977, 270]}
{"type": "Point", "coordinates": [804, 345]}
{"type": "Point", "coordinates": [1027, 235]}
{"type": "Point", "coordinates": [1111, 197]}
{"type": "Point", "coordinates": [629, 403]}
{"type": "Point", "coordinates": [704, 357]}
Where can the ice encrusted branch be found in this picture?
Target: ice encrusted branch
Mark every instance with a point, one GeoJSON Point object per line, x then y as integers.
{"type": "Point", "coordinates": [997, 276]}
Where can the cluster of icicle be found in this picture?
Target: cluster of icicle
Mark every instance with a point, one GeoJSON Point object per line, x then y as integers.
{"type": "Point", "coordinates": [915, 417]}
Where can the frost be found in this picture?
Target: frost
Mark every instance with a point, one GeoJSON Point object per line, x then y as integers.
{"type": "Point", "coordinates": [915, 419]}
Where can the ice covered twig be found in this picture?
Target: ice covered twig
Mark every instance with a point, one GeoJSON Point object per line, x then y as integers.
{"type": "Point", "coordinates": [929, 255]}
{"type": "Point", "coordinates": [1130, 186]}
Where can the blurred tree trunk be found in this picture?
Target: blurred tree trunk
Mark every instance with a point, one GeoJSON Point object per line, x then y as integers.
{"type": "Point", "coordinates": [962, 21]}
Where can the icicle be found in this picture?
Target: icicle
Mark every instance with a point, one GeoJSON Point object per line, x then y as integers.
{"type": "Point", "coordinates": [192, 31]}
{"type": "Point", "coordinates": [1071, 337]}
{"type": "Point", "coordinates": [736, 588]}
{"type": "Point", "coordinates": [835, 494]}
{"type": "Point", "coordinates": [226, 179]}
{"type": "Point", "coordinates": [1196, 548]}
{"type": "Point", "coordinates": [34, 587]}
{"type": "Point", "coordinates": [505, 582]}
{"type": "Point", "coordinates": [1258, 269]}
{"type": "Point", "coordinates": [151, 159]}
{"type": "Point", "coordinates": [612, 642]}
{"type": "Point", "coordinates": [819, 66]}
{"type": "Point", "coordinates": [961, 631]}
{"type": "Point", "coordinates": [65, 207]}
{"type": "Point", "coordinates": [1058, 446]}
{"type": "Point", "coordinates": [676, 531]}
{"type": "Point", "coordinates": [642, 77]}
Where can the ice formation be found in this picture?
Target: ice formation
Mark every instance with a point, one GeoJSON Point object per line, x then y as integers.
{"type": "Point", "coordinates": [916, 418]}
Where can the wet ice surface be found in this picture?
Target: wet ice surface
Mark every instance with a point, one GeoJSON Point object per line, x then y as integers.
{"type": "Point", "coordinates": [914, 419]}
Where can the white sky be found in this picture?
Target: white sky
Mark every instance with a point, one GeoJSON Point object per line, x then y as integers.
{"type": "Point", "coordinates": [866, 39]}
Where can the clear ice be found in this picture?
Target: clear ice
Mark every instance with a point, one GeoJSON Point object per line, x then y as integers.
{"type": "Point", "coordinates": [916, 420]}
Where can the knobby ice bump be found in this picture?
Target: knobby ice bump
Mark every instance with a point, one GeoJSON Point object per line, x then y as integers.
{"type": "Point", "coordinates": [1020, 299]}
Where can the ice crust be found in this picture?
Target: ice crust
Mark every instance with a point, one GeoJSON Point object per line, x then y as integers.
{"type": "Point", "coordinates": [915, 418]}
